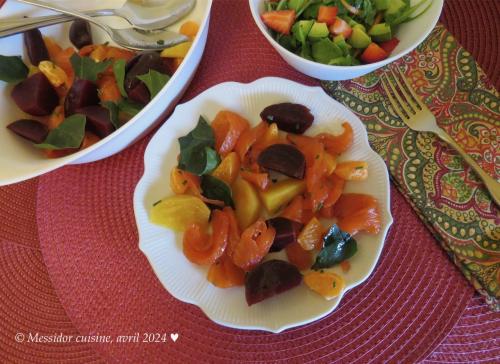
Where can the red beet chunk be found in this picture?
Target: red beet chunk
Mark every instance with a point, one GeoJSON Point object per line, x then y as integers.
{"type": "Point", "coordinates": [138, 66]}
{"type": "Point", "coordinates": [139, 93]}
{"type": "Point", "coordinates": [83, 93]}
{"type": "Point", "coordinates": [79, 33]}
{"type": "Point", "coordinates": [292, 118]}
{"type": "Point", "coordinates": [32, 130]}
{"type": "Point", "coordinates": [283, 158]}
{"type": "Point", "coordinates": [35, 46]}
{"type": "Point", "coordinates": [98, 120]}
{"type": "Point", "coordinates": [35, 95]}
{"type": "Point", "coordinates": [270, 278]}
{"type": "Point", "coordinates": [286, 232]}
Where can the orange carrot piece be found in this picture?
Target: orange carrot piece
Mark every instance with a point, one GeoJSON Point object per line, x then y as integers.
{"type": "Point", "coordinates": [189, 29]}
{"type": "Point", "coordinates": [108, 88]}
{"type": "Point", "coordinates": [248, 138]}
{"type": "Point", "coordinates": [337, 144]}
{"type": "Point", "coordinates": [224, 274]}
{"type": "Point", "coordinates": [52, 47]}
{"type": "Point", "coordinates": [228, 127]}
{"type": "Point", "coordinates": [352, 170]}
{"type": "Point", "coordinates": [259, 180]}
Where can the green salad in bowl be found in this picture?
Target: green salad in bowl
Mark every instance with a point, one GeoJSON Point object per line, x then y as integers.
{"type": "Point", "coordinates": [340, 32]}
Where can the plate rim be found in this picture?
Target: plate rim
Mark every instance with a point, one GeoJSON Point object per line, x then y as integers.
{"type": "Point", "coordinates": [141, 189]}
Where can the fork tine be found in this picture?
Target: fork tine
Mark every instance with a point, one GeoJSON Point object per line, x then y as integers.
{"type": "Point", "coordinates": [398, 97]}
{"type": "Point", "coordinates": [417, 98]}
{"type": "Point", "coordinates": [412, 106]}
{"type": "Point", "coordinates": [392, 100]}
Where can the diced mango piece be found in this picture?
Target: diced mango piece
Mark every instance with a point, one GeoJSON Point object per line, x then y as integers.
{"type": "Point", "coordinates": [280, 193]}
{"type": "Point", "coordinates": [247, 203]}
{"type": "Point", "coordinates": [177, 51]}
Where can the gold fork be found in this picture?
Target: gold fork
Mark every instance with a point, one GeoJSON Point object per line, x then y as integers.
{"type": "Point", "coordinates": [410, 108]}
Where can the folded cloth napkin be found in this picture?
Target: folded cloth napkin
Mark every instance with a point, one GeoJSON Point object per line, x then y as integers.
{"type": "Point", "coordinates": [444, 191]}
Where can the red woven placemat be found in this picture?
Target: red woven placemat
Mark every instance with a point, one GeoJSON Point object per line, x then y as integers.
{"type": "Point", "coordinates": [29, 303]}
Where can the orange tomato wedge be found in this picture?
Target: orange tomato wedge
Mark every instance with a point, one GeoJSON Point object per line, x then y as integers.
{"type": "Point", "coordinates": [350, 203]}
{"type": "Point", "coordinates": [254, 244]}
{"type": "Point", "coordinates": [337, 144]}
{"type": "Point", "coordinates": [311, 236]}
{"type": "Point", "coordinates": [294, 209]}
{"type": "Point", "coordinates": [203, 249]}
{"type": "Point", "coordinates": [228, 127]}
{"type": "Point", "coordinates": [299, 257]}
{"type": "Point", "coordinates": [224, 274]}
{"type": "Point", "coordinates": [327, 284]}
{"type": "Point", "coordinates": [228, 168]}
{"type": "Point", "coordinates": [259, 180]}
{"type": "Point", "coordinates": [352, 170]}
{"type": "Point", "coordinates": [248, 138]}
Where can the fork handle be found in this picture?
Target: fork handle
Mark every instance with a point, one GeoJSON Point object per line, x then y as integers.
{"type": "Point", "coordinates": [491, 184]}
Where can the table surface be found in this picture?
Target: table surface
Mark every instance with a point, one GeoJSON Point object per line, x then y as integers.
{"type": "Point", "coordinates": [473, 339]}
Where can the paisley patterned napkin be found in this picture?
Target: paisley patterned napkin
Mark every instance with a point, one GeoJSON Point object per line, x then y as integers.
{"type": "Point", "coordinates": [444, 192]}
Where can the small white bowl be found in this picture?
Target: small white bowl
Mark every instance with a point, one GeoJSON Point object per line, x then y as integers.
{"type": "Point", "coordinates": [410, 34]}
{"type": "Point", "coordinates": [20, 160]}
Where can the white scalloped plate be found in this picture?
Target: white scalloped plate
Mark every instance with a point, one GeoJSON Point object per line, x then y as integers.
{"type": "Point", "coordinates": [163, 248]}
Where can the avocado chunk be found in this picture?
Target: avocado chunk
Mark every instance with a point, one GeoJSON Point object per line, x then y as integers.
{"type": "Point", "coordinates": [360, 26]}
{"type": "Point", "coordinates": [395, 6]}
{"type": "Point", "coordinates": [296, 4]}
{"type": "Point", "coordinates": [301, 29]}
{"type": "Point", "coordinates": [339, 40]}
{"type": "Point", "coordinates": [359, 39]}
{"type": "Point", "coordinates": [341, 61]}
{"type": "Point", "coordinates": [318, 31]}
{"type": "Point", "coordinates": [381, 32]}
{"type": "Point", "coordinates": [381, 4]}
{"type": "Point", "coordinates": [325, 50]}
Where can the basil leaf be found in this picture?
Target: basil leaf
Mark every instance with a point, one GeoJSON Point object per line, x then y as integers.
{"type": "Point", "coordinates": [198, 155]}
{"type": "Point", "coordinates": [128, 107]}
{"type": "Point", "coordinates": [86, 68]}
{"type": "Point", "coordinates": [69, 134]}
{"type": "Point", "coordinates": [12, 69]}
{"type": "Point", "coordinates": [216, 189]}
{"type": "Point", "coordinates": [113, 113]}
{"type": "Point", "coordinates": [338, 247]}
{"type": "Point", "coordinates": [154, 81]}
{"type": "Point", "coordinates": [119, 71]}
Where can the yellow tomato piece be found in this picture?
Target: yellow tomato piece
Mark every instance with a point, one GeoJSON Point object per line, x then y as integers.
{"type": "Point", "coordinates": [327, 284]}
{"type": "Point", "coordinates": [177, 51]}
{"type": "Point", "coordinates": [189, 29]}
{"type": "Point", "coordinates": [99, 54]}
{"type": "Point", "coordinates": [247, 203]}
{"type": "Point", "coordinates": [228, 169]}
{"type": "Point", "coordinates": [32, 70]}
{"type": "Point", "coordinates": [279, 194]}
{"type": "Point", "coordinates": [179, 211]}
{"type": "Point", "coordinates": [54, 73]}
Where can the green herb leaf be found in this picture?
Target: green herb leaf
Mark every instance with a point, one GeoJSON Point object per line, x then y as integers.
{"type": "Point", "coordinates": [128, 107]}
{"type": "Point", "coordinates": [154, 81]}
{"type": "Point", "coordinates": [12, 69]}
{"type": "Point", "coordinates": [86, 68]}
{"type": "Point", "coordinates": [69, 134]}
{"type": "Point", "coordinates": [216, 189]}
{"type": "Point", "coordinates": [197, 150]}
{"type": "Point", "coordinates": [113, 113]}
{"type": "Point", "coordinates": [119, 71]}
{"type": "Point", "coordinates": [338, 247]}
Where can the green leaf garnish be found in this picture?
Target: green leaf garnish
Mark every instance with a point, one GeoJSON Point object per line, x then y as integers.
{"type": "Point", "coordinates": [216, 189]}
{"type": "Point", "coordinates": [12, 69]}
{"type": "Point", "coordinates": [338, 246]}
{"type": "Point", "coordinates": [113, 109]}
{"type": "Point", "coordinates": [128, 107]}
{"type": "Point", "coordinates": [154, 81]}
{"type": "Point", "coordinates": [86, 68]}
{"type": "Point", "coordinates": [69, 134]}
{"type": "Point", "coordinates": [198, 155]}
{"type": "Point", "coordinates": [119, 71]}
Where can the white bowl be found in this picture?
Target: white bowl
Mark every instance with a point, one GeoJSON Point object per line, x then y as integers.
{"type": "Point", "coordinates": [410, 34]}
{"type": "Point", "coordinates": [19, 160]}
{"type": "Point", "coordinates": [163, 248]}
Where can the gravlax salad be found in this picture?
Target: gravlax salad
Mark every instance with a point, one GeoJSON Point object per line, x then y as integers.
{"type": "Point", "coordinates": [265, 206]}
{"type": "Point", "coordinates": [340, 32]}
{"type": "Point", "coordinates": [76, 97]}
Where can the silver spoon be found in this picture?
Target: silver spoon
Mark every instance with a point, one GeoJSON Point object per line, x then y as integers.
{"type": "Point", "coordinates": [128, 37]}
{"type": "Point", "coordinates": [147, 15]}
